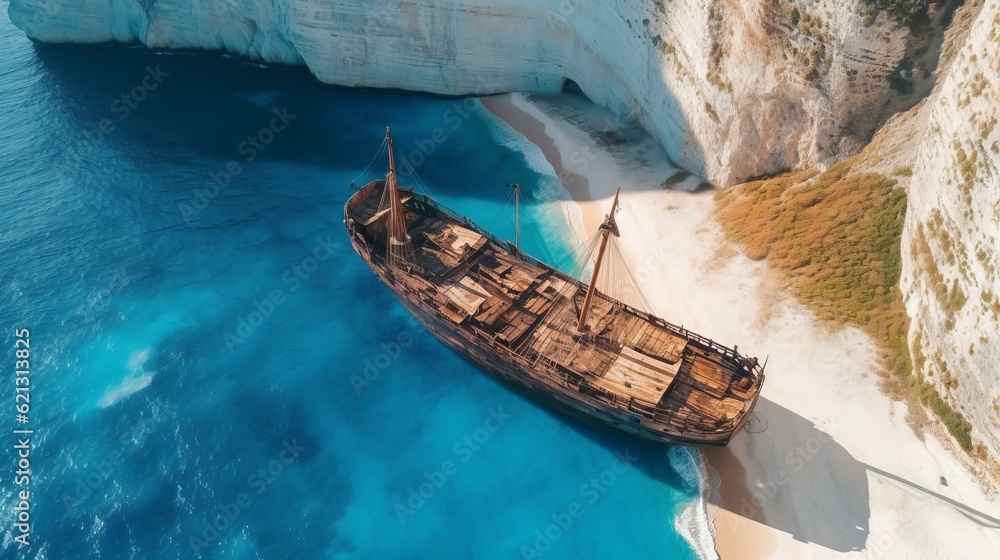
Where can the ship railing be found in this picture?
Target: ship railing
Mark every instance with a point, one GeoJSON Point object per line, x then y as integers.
{"type": "Point", "coordinates": [757, 369]}
{"type": "Point", "coordinates": [730, 353]}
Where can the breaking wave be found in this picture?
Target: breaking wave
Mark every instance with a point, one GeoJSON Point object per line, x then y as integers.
{"type": "Point", "coordinates": [692, 522]}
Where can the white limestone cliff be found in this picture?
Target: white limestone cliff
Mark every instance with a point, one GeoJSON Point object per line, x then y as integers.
{"type": "Point", "coordinates": [733, 88]}
{"type": "Point", "coordinates": [951, 243]}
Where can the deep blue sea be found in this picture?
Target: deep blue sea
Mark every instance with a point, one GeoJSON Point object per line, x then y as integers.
{"type": "Point", "coordinates": [214, 373]}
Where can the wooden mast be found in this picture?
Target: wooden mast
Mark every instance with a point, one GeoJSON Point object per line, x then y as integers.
{"type": "Point", "coordinates": [517, 215]}
{"type": "Point", "coordinates": [397, 218]}
{"type": "Point", "coordinates": [607, 228]}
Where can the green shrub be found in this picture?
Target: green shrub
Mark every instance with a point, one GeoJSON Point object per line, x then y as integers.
{"type": "Point", "coordinates": [957, 425]}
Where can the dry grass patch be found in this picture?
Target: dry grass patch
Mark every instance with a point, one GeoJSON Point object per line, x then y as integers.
{"type": "Point", "coordinates": [836, 233]}
{"type": "Point", "coordinates": [836, 237]}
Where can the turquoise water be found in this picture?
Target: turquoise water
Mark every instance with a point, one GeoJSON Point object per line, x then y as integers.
{"type": "Point", "coordinates": [206, 355]}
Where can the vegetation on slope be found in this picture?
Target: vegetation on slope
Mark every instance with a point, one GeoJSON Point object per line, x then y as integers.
{"type": "Point", "coordinates": [836, 235]}
{"type": "Point", "coordinates": [908, 12]}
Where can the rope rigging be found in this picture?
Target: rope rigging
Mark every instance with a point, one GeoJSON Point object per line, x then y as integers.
{"type": "Point", "coordinates": [620, 283]}
{"type": "Point", "coordinates": [501, 213]}
{"type": "Point", "coordinates": [417, 181]}
{"type": "Point", "coordinates": [600, 255]}
{"type": "Point", "coordinates": [613, 280]}
{"type": "Point", "coordinates": [371, 164]}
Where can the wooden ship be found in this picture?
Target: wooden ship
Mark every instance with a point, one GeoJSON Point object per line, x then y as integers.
{"type": "Point", "coordinates": [547, 332]}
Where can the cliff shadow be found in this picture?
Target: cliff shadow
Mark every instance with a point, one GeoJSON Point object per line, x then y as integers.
{"type": "Point", "coordinates": [180, 105]}
{"type": "Point", "coordinates": [584, 142]}
{"type": "Point", "coordinates": [205, 104]}
{"type": "Point", "coordinates": [785, 472]}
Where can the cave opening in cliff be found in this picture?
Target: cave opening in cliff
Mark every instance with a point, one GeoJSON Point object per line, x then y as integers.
{"type": "Point", "coordinates": [570, 86]}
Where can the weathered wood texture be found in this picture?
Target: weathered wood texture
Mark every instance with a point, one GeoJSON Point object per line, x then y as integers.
{"type": "Point", "coordinates": [516, 317]}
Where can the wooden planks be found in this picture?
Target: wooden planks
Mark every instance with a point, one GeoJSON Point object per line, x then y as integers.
{"type": "Point", "coordinates": [636, 375]}
{"type": "Point", "coordinates": [661, 369]}
{"type": "Point", "coordinates": [711, 377]}
{"type": "Point", "coordinates": [490, 310]}
{"type": "Point", "coordinates": [701, 399]}
{"type": "Point", "coordinates": [467, 295]}
{"type": "Point", "coordinates": [516, 322]}
{"type": "Point", "coordinates": [369, 213]}
{"type": "Point", "coordinates": [661, 343]}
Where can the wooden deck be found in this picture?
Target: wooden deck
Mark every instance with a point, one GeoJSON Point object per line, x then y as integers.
{"type": "Point", "coordinates": [520, 316]}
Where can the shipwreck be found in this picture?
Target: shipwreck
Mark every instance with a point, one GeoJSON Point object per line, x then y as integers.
{"type": "Point", "coordinates": [546, 332]}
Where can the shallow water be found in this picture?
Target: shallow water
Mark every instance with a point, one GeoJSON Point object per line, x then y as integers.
{"type": "Point", "coordinates": [219, 355]}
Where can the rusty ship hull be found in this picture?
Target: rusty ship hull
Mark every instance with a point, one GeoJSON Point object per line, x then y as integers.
{"type": "Point", "coordinates": [513, 315]}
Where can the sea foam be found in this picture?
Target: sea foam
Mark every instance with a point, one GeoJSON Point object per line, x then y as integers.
{"type": "Point", "coordinates": [137, 380]}
{"type": "Point", "coordinates": [692, 523]}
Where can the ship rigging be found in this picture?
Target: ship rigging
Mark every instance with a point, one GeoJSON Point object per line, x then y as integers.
{"type": "Point", "coordinates": [576, 345]}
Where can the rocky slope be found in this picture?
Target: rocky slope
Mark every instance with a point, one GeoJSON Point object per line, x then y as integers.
{"type": "Point", "coordinates": [939, 331]}
{"type": "Point", "coordinates": [733, 88]}
{"type": "Point", "coordinates": [951, 241]}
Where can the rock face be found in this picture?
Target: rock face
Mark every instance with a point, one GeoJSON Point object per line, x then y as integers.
{"type": "Point", "coordinates": [733, 88]}
{"type": "Point", "coordinates": [951, 244]}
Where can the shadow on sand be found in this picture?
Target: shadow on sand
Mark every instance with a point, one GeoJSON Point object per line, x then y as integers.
{"type": "Point", "coordinates": [810, 486]}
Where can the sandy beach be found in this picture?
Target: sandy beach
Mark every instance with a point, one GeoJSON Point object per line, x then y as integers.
{"type": "Point", "coordinates": [827, 467]}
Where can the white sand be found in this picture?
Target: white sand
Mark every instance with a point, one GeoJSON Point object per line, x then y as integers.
{"type": "Point", "coordinates": [832, 469]}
